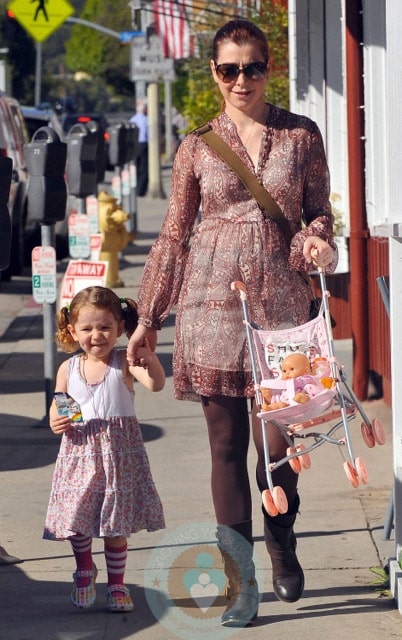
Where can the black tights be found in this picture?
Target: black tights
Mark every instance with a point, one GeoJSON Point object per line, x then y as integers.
{"type": "Point", "coordinates": [229, 435]}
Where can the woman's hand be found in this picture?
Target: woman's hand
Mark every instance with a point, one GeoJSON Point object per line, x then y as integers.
{"type": "Point", "coordinates": [145, 337]}
{"type": "Point", "coordinates": [317, 250]}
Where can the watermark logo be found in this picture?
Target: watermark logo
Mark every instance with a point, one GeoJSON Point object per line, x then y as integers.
{"type": "Point", "coordinates": [185, 581]}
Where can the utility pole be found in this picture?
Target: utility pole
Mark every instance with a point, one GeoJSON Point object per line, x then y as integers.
{"type": "Point", "coordinates": [155, 187]}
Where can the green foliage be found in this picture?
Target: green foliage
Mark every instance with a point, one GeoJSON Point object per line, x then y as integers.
{"type": "Point", "coordinates": [381, 583]}
{"type": "Point", "coordinates": [100, 55]}
{"type": "Point", "coordinates": [78, 48]}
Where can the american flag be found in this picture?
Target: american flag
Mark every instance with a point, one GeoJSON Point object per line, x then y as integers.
{"type": "Point", "coordinates": [171, 24]}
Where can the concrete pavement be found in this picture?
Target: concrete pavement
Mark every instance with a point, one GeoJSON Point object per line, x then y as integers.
{"type": "Point", "coordinates": [340, 529]}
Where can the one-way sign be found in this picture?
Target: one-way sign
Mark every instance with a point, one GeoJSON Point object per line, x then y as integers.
{"type": "Point", "coordinates": [148, 62]}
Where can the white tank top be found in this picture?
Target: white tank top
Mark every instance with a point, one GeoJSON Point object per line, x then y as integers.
{"type": "Point", "coordinates": [104, 399]}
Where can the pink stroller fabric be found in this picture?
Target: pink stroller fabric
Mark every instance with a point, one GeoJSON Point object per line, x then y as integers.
{"type": "Point", "coordinates": [272, 347]}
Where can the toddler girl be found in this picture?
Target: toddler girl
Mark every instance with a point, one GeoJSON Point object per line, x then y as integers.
{"type": "Point", "coordinates": [102, 484]}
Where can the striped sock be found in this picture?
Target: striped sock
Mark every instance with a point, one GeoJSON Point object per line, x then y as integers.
{"type": "Point", "coordinates": [116, 558]}
{"type": "Point", "coordinates": [82, 549]}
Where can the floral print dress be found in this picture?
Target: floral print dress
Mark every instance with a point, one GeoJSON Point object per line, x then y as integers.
{"type": "Point", "coordinates": [234, 241]}
{"type": "Point", "coordinates": [102, 483]}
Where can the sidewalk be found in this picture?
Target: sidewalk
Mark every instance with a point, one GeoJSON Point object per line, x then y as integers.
{"type": "Point", "coordinates": [339, 530]}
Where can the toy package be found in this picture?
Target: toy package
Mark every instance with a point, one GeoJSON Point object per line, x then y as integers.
{"type": "Point", "coordinates": [67, 406]}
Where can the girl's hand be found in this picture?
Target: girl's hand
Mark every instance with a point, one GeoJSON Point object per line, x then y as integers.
{"type": "Point", "coordinates": [145, 354]}
{"type": "Point", "coordinates": [137, 341]}
{"type": "Point", "coordinates": [317, 250]}
{"type": "Point", "coordinates": [60, 424]}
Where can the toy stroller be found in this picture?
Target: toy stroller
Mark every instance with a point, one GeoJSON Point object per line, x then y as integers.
{"type": "Point", "coordinates": [334, 401]}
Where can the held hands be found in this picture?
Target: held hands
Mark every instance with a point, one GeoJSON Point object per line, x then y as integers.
{"type": "Point", "coordinates": [318, 251]}
{"type": "Point", "coordinates": [144, 355]}
{"type": "Point", "coordinates": [141, 346]}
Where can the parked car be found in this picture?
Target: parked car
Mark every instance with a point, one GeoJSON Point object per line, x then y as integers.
{"type": "Point", "coordinates": [25, 234]}
{"type": "Point", "coordinates": [69, 119]}
{"type": "Point", "coordinates": [37, 117]}
{"type": "Point", "coordinates": [13, 135]}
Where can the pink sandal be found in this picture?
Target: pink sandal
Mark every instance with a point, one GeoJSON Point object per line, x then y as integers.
{"type": "Point", "coordinates": [84, 597]}
{"type": "Point", "coordinates": [118, 598]}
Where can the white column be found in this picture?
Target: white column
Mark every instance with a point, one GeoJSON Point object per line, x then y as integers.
{"type": "Point", "coordinates": [393, 133]}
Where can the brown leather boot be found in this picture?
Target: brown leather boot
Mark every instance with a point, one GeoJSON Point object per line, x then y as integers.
{"type": "Point", "coordinates": [280, 540]}
{"type": "Point", "coordinates": [242, 590]}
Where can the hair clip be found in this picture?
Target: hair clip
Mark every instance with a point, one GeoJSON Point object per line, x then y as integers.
{"type": "Point", "coordinates": [67, 306]}
{"type": "Point", "coordinates": [123, 300]}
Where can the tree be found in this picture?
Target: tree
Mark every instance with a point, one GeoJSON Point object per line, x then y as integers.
{"type": "Point", "coordinates": [100, 55]}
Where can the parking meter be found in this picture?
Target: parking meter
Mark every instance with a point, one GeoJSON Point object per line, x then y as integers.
{"type": "Point", "coordinates": [117, 144]}
{"type": "Point", "coordinates": [81, 171]}
{"type": "Point", "coordinates": [131, 142]}
{"type": "Point", "coordinates": [45, 157]}
{"type": "Point", "coordinates": [6, 169]}
{"type": "Point", "coordinates": [100, 156]}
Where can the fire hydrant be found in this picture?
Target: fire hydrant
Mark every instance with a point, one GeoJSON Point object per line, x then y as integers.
{"type": "Point", "coordinates": [115, 236]}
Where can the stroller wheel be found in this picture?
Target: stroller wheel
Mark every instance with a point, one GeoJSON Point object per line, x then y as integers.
{"type": "Point", "coordinates": [295, 463]}
{"type": "Point", "coordinates": [280, 499]}
{"type": "Point", "coordinates": [351, 474]}
{"type": "Point", "coordinates": [305, 457]}
{"type": "Point", "coordinates": [361, 470]}
{"type": "Point", "coordinates": [367, 435]}
{"type": "Point", "coordinates": [378, 431]}
{"type": "Point", "coordinates": [269, 504]}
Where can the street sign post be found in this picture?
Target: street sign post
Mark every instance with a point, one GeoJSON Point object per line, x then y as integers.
{"type": "Point", "coordinates": [148, 62]}
{"type": "Point", "coordinates": [78, 235]}
{"type": "Point", "coordinates": [44, 275]}
{"type": "Point", "coordinates": [127, 36]}
{"type": "Point", "coordinates": [41, 18]}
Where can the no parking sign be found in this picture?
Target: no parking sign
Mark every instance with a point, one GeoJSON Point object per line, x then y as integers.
{"type": "Point", "coordinates": [79, 275]}
{"type": "Point", "coordinates": [44, 286]}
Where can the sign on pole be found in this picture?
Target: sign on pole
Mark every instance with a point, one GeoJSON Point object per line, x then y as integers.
{"type": "Point", "coordinates": [79, 275]}
{"type": "Point", "coordinates": [40, 17]}
{"type": "Point", "coordinates": [44, 284]}
{"type": "Point", "coordinates": [79, 235]}
{"type": "Point", "coordinates": [148, 62]}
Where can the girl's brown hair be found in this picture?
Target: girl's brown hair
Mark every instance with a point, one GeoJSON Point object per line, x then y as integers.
{"type": "Point", "coordinates": [240, 32]}
{"type": "Point", "coordinates": [102, 298]}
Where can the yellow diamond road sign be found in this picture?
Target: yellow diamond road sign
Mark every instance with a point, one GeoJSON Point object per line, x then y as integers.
{"type": "Point", "coordinates": [41, 17]}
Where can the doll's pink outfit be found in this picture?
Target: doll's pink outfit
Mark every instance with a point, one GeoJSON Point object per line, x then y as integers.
{"type": "Point", "coordinates": [285, 390]}
{"type": "Point", "coordinates": [102, 483]}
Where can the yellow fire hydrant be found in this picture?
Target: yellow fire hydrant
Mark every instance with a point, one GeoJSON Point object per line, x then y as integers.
{"type": "Point", "coordinates": [115, 236]}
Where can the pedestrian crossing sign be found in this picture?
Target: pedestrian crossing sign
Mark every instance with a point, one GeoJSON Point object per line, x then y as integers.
{"type": "Point", "coordinates": [41, 17]}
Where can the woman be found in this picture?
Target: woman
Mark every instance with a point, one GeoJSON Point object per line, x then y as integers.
{"type": "Point", "coordinates": [235, 242]}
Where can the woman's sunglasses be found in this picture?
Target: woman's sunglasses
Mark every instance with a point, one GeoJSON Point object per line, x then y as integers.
{"type": "Point", "coordinates": [229, 72]}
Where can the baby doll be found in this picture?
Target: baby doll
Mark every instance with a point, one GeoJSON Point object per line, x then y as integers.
{"type": "Point", "coordinates": [295, 367]}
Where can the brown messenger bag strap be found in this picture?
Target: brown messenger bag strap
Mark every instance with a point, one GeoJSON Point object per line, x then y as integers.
{"type": "Point", "coordinates": [262, 196]}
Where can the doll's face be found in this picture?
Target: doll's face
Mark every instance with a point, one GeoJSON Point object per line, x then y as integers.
{"type": "Point", "coordinates": [295, 365]}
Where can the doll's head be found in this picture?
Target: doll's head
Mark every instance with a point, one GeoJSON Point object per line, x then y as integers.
{"type": "Point", "coordinates": [295, 365]}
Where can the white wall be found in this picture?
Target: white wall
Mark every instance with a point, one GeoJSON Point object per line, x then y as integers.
{"type": "Point", "coordinates": [375, 110]}
{"type": "Point", "coordinates": [317, 83]}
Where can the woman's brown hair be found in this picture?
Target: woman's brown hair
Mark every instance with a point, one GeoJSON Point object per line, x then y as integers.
{"type": "Point", "coordinates": [240, 32]}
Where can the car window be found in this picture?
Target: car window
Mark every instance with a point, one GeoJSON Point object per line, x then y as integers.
{"type": "Point", "coordinates": [13, 134]}
{"type": "Point", "coordinates": [8, 142]}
